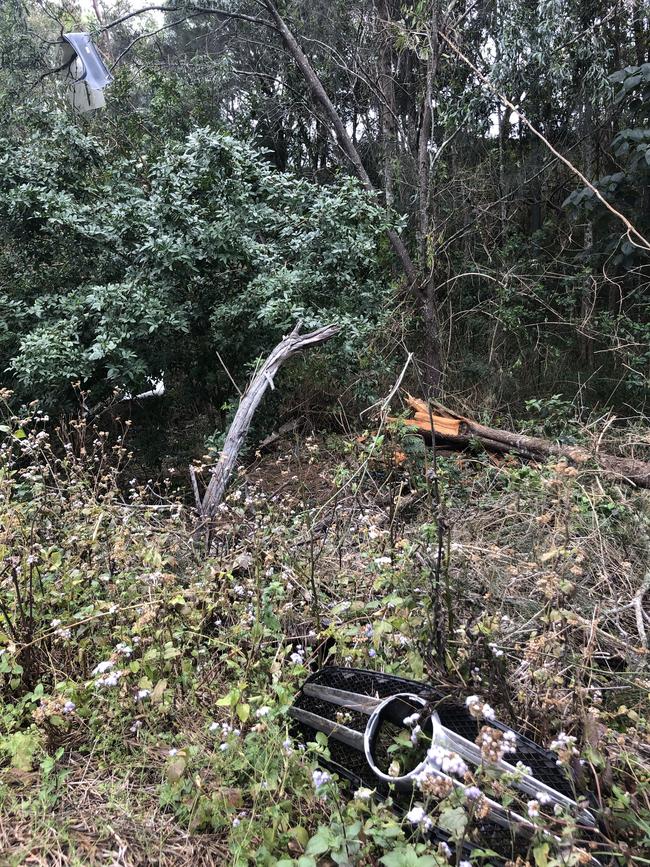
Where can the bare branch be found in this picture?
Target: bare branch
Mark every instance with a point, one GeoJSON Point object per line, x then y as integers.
{"type": "Point", "coordinates": [151, 33]}
{"type": "Point", "coordinates": [194, 10]}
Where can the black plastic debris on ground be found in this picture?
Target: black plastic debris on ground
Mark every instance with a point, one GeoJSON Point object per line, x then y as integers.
{"type": "Point", "coordinates": [348, 760]}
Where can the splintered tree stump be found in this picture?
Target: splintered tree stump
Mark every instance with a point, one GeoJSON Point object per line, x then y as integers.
{"type": "Point", "coordinates": [250, 400]}
{"type": "Point", "coordinates": [461, 431]}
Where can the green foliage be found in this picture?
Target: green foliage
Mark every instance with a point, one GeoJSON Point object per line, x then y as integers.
{"type": "Point", "coordinates": [627, 187]}
{"type": "Point", "coordinates": [124, 267]}
{"type": "Point", "coordinates": [164, 674]}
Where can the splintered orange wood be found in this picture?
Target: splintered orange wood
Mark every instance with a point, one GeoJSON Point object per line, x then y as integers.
{"type": "Point", "coordinates": [443, 426]}
{"type": "Point", "coordinates": [421, 406]}
{"type": "Point", "coordinates": [417, 404]}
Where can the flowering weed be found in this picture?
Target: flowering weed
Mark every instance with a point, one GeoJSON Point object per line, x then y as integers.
{"type": "Point", "coordinates": [146, 684]}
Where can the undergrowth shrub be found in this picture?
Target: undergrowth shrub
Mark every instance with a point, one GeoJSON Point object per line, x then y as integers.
{"type": "Point", "coordinates": [158, 676]}
{"type": "Point", "coordinates": [126, 267]}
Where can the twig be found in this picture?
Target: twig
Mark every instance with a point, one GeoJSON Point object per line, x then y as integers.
{"type": "Point", "coordinates": [631, 230]}
{"type": "Point", "coordinates": [195, 488]}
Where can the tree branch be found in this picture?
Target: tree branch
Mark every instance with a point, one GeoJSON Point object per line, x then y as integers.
{"type": "Point", "coordinates": [249, 402]}
{"type": "Point", "coordinates": [193, 9]}
{"type": "Point", "coordinates": [344, 140]}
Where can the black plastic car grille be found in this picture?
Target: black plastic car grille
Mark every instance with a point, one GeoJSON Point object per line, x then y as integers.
{"type": "Point", "coordinates": [453, 716]}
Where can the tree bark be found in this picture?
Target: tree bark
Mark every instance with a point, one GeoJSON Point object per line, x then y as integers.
{"type": "Point", "coordinates": [494, 439]}
{"type": "Point", "coordinates": [589, 290]}
{"type": "Point", "coordinates": [638, 20]}
{"type": "Point", "coordinates": [432, 352]}
{"type": "Point", "coordinates": [387, 109]}
{"type": "Point", "coordinates": [251, 399]}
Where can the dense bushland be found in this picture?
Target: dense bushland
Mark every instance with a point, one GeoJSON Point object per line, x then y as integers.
{"type": "Point", "coordinates": [232, 185]}
{"type": "Point", "coordinates": [208, 205]}
{"type": "Point", "coordinates": [127, 268]}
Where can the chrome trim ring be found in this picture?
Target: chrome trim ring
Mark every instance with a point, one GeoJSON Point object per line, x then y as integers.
{"type": "Point", "coordinates": [372, 727]}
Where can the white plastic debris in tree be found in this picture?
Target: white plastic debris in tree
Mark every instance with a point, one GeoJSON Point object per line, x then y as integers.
{"type": "Point", "coordinates": [86, 72]}
{"type": "Point", "coordinates": [157, 390]}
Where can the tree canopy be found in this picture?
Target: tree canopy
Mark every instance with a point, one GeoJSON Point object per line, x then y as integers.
{"type": "Point", "coordinates": [214, 200]}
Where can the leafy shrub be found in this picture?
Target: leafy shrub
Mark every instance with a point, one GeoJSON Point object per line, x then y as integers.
{"type": "Point", "coordinates": [126, 267]}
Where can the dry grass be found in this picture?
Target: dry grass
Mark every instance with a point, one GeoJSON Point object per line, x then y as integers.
{"type": "Point", "coordinates": [543, 566]}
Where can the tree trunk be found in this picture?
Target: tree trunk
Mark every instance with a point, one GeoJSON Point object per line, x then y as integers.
{"type": "Point", "coordinates": [494, 439]}
{"type": "Point", "coordinates": [587, 295]}
{"type": "Point", "coordinates": [387, 108]}
{"type": "Point", "coordinates": [344, 140]}
{"type": "Point", "coordinates": [432, 356]}
{"type": "Point", "coordinates": [638, 21]}
{"type": "Point", "coordinates": [432, 352]}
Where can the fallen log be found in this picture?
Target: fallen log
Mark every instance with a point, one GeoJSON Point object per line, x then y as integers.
{"type": "Point", "coordinates": [249, 402]}
{"type": "Point", "coordinates": [461, 431]}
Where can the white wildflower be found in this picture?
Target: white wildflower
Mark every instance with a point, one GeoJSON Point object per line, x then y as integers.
{"type": "Point", "coordinates": [109, 680]}
{"type": "Point", "coordinates": [320, 778]}
{"type": "Point", "coordinates": [101, 667]}
{"type": "Point", "coordinates": [533, 809]}
{"type": "Point", "coordinates": [417, 816]}
{"type": "Point", "coordinates": [447, 761]}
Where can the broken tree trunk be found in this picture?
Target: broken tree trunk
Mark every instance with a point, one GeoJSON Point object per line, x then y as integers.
{"type": "Point", "coordinates": [459, 430]}
{"type": "Point", "coordinates": [250, 400]}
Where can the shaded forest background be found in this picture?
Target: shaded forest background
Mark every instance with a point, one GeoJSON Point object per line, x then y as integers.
{"type": "Point", "coordinates": [352, 165]}
{"type": "Point", "coordinates": [180, 231]}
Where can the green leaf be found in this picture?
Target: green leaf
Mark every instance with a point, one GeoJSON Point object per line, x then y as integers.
{"type": "Point", "coordinates": [300, 834]}
{"type": "Point", "coordinates": [408, 857]}
{"type": "Point", "coordinates": [454, 821]}
{"type": "Point", "coordinates": [243, 711]}
{"type": "Point", "coordinates": [22, 747]}
{"type": "Point", "coordinates": [540, 853]}
{"type": "Point", "coordinates": [229, 700]}
{"type": "Point", "coordinates": [319, 843]}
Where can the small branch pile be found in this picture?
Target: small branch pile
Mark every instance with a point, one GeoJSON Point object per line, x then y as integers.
{"type": "Point", "coordinates": [457, 430]}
